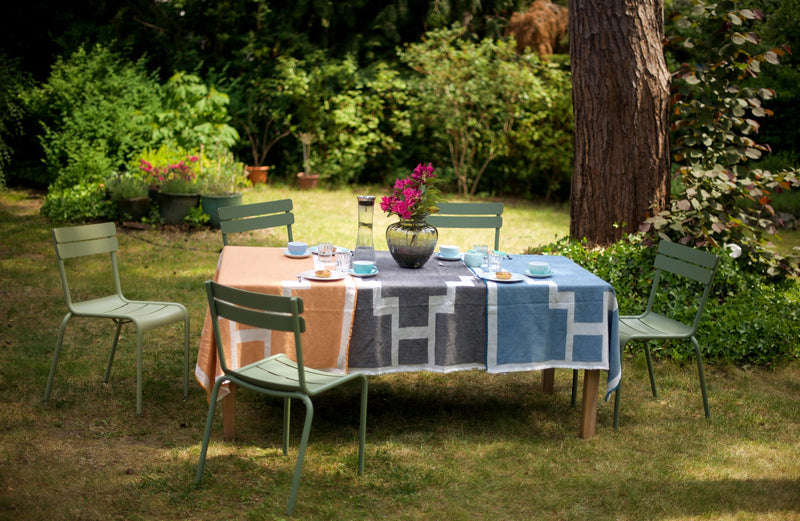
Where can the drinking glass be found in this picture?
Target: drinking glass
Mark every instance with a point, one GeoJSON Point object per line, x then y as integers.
{"type": "Point", "coordinates": [342, 261]}
{"type": "Point", "coordinates": [484, 249]}
{"type": "Point", "coordinates": [494, 261]}
{"type": "Point", "coordinates": [325, 256]}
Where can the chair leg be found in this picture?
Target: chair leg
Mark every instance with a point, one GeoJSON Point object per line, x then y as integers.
{"type": "Point", "coordinates": [362, 427]}
{"type": "Point", "coordinates": [113, 351]}
{"type": "Point", "coordinates": [649, 359]}
{"type": "Point", "coordinates": [186, 367]}
{"type": "Point", "coordinates": [574, 400]}
{"type": "Point", "coordinates": [212, 405]}
{"type": "Point", "coordinates": [62, 328]}
{"type": "Point", "coordinates": [702, 375]}
{"type": "Point", "coordinates": [287, 414]}
{"type": "Point", "coordinates": [616, 407]}
{"type": "Point", "coordinates": [301, 455]}
{"type": "Point", "coordinates": [139, 360]}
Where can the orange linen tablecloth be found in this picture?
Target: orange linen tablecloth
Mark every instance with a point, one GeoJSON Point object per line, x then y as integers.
{"type": "Point", "coordinates": [328, 313]}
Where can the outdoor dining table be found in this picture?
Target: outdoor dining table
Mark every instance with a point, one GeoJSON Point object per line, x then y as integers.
{"type": "Point", "coordinates": [442, 317]}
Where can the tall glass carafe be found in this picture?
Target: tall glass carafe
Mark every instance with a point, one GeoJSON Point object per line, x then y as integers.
{"type": "Point", "coordinates": [365, 248]}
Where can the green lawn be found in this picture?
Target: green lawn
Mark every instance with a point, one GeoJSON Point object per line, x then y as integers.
{"type": "Point", "coordinates": [462, 446]}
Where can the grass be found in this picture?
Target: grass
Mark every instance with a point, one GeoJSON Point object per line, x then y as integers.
{"type": "Point", "coordinates": [467, 445]}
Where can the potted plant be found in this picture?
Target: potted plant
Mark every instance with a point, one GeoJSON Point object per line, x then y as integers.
{"type": "Point", "coordinates": [222, 178]}
{"type": "Point", "coordinates": [307, 179]}
{"type": "Point", "coordinates": [129, 192]}
{"type": "Point", "coordinates": [176, 181]}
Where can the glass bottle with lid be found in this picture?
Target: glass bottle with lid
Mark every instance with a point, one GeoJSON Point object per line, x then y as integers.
{"type": "Point", "coordinates": [365, 248]}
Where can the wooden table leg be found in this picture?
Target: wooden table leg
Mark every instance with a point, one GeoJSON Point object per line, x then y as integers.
{"type": "Point", "coordinates": [548, 379]}
{"type": "Point", "coordinates": [591, 385]}
{"type": "Point", "coordinates": [229, 414]}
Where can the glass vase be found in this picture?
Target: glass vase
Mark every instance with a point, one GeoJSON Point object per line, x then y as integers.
{"type": "Point", "coordinates": [411, 243]}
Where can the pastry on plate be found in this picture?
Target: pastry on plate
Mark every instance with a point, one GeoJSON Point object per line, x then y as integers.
{"type": "Point", "coordinates": [323, 274]}
{"type": "Point", "coordinates": [503, 275]}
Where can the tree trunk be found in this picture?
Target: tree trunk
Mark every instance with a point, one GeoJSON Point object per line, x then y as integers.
{"type": "Point", "coordinates": [620, 95]}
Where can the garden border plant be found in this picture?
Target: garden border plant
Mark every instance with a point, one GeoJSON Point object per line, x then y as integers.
{"type": "Point", "coordinates": [720, 199]}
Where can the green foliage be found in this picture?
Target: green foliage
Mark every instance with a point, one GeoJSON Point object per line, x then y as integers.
{"type": "Point", "coordinates": [714, 114]}
{"type": "Point", "coordinates": [220, 173]}
{"type": "Point", "coordinates": [727, 206]}
{"type": "Point", "coordinates": [193, 115]}
{"type": "Point", "coordinates": [748, 320]}
{"type": "Point", "coordinates": [126, 185]}
{"type": "Point", "coordinates": [476, 99]}
{"type": "Point", "coordinates": [12, 83]}
{"type": "Point", "coordinates": [722, 200]}
{"type": "Point", "coordinates": [349, 116]}
{"type": "Point", "coordinates": [94, 113]}
{"type": "Point", "coordinates": [196, 217]}
{"type": "Point", "coordinates": [170, 169]}
{"type": "Point", "coordinates": [85, 201]}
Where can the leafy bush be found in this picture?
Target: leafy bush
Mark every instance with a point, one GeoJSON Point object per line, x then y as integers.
{"type": "Point", "coordinates": [476, 99]}
{"type": "Point", "coordinates": [84, 201]}
{"type": "Point", "coordinates": [94, 113]}
{"type": "Point", "coordinates": [722, 206]}
{"type": "Point", "coordinates": [715, 110]}
{"type": "Point", "coordinates": [343, 117]}
{"type": "Point", "coordinates": [193, 115]}
{"type": "Point", "coordinates": [748, 320]}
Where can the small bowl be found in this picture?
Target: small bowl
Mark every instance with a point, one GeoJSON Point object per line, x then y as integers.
{"type": "Point", "coordinates": [473, 259]}
{"type": "Point", "coordinates": [297, 247]}
{"type": "Point", "coordinates": [538, 268]}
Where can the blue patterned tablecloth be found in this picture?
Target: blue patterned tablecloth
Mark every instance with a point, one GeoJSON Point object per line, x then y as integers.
{"type": "Point", "coordinates": [444, 318]}
{"type": "Point", "coordinates": [566, 320]}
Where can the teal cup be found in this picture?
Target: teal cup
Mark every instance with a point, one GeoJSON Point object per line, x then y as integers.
{"type": "Point", "coordinates": [364, 267]}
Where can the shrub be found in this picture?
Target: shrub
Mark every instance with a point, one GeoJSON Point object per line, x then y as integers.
{"type": "Point", "coordinates": [477, 99]}
{"type": "Point", "coordinates": [715, 112]}
{"type": "Point", "coordinates": [94, 113]}
{"type": "Point", "coordinates": [193, 115]}
{"type": "Point", "coordinates": [85, 201]}
{"type": "Point", "coordinates": [749, 319]}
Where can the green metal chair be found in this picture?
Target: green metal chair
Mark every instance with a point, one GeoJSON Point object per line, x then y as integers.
{"type": "Point", "coordinates": [688, 263]}
{"type": "Point", "coordinates": [97, 239]}
{"type": "Point", "coordinates": [469, 215]}
{"type": "Point", "coordinates": [276, 375]}
{"type": "Point", "coordinates": [256, 216]}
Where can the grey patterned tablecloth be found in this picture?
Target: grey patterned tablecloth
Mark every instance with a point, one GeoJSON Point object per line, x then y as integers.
{"type": "Point", "coordinates": [432, 319]}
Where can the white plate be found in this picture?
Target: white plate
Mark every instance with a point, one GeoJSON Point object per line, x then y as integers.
{"type": "Point", "coordinates": [362, 275]}
{"type": "Point", "coordinates": [313, 249]}
{"type": "Point", "coordinates": [539, 275]}
{"type": "Point", "coordinates": [491, 276]}
{"type": "Point", "coordinates": [293, 256]}
{"type": "Point", "coordinates": [442, 257]}
{"type": "Point", "coordinates": [335, 275]}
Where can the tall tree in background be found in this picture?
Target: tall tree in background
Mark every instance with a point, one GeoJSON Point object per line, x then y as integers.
{"type": "Point", "coordinates": [620, 93]}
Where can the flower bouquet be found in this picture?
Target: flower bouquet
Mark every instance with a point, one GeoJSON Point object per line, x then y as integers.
{"type": "Point", "coordinates": [411, 240]}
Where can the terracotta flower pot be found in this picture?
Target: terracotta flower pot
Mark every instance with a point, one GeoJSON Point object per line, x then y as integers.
{"type": "Point", "coordinates": [257, 174]}
{"type": "Point", "coordinates": [307, 181]}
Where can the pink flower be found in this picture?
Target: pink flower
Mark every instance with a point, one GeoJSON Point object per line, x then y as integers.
{"type": "Point", "coordinates": [413, 196]}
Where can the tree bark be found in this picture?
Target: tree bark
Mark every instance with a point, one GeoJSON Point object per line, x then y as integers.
{"type": "Point", "coordinates": [620, 95]}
